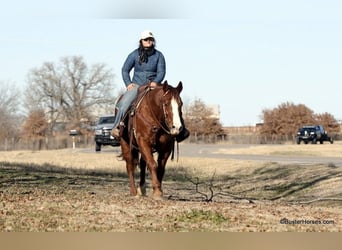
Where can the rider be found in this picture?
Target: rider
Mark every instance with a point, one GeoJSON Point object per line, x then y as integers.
{"type": "Point", "coordinates": [149, 68]}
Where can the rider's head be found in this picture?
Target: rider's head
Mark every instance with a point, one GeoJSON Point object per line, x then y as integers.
{"type": "Point", "coordinates": [147, 39]}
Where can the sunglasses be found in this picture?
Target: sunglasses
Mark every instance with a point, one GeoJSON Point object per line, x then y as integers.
{"type": "Point", "coordinates": [148, 39]}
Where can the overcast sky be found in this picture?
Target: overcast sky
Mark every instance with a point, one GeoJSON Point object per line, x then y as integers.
{"type": "Point", "coordinates": [244, 56]}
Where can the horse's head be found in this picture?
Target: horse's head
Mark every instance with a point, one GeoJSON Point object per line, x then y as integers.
{"type": "Point", "coordinates": [172, 107]}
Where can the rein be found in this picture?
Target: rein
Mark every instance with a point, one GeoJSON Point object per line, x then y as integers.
{"type": "Point", "coordinates": [166, 130]}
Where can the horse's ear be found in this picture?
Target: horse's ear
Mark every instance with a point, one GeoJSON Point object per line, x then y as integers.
{"type": "Point", "coordinates": [180, 87]}
{"type": "Point", "coordinates": [165, 86]}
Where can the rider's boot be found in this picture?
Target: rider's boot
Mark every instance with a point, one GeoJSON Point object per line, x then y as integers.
{"type": "Point", "coordinates": [183, 135]}
{"type": "Point", "coordinates": [117, 131]}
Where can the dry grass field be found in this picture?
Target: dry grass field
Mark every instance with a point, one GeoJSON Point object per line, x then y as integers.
{"type": "Point", "coordinates": [327, 149]}
{"type": "Point", "coordinates": [70, 190]}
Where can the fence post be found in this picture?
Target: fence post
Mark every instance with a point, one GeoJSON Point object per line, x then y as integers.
{"type": "Point", "coordinates": [73, 133]}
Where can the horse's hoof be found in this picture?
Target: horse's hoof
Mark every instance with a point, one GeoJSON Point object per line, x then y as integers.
{"type": "Point", "coordinates": [141, 191]}
{"type": "Point", "coordinates": [158, 197]}
{"type": "Point", "coordinates": [133, 193]}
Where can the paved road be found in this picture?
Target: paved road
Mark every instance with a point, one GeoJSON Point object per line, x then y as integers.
{"type": "Point", "coordinates": [210, 151]}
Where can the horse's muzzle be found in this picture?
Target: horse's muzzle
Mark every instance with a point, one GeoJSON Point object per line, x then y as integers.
{"type": "Point", "coordinates": [175, 131]}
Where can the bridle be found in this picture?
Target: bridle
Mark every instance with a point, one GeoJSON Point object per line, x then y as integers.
{"type": "Point", "coordinates": [165, 114]}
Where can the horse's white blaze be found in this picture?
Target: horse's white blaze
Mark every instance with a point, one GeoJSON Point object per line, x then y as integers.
{"type": "Point", "coordinates": [176, 118]}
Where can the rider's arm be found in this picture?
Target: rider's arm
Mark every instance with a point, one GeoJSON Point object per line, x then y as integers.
{"type": "Point", "coordinates": [127, 67]}
{"type": "Point", "coordinates": [161, 69]}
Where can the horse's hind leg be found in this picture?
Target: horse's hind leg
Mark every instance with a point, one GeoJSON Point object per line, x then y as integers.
{"type": "Point", "coordinates": [142, 185]}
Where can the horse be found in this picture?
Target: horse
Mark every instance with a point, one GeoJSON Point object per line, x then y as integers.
{"type": "Point", "coordinates": [151, 126]}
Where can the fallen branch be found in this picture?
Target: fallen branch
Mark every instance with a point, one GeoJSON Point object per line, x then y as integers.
{"type": "Point", "coordinates": [214, 190]}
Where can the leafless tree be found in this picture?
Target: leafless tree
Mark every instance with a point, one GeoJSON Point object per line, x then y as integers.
{"type": "Point", "coordinates": [9, 106]}
{"type": "Point", "coordinates": [69, 90]}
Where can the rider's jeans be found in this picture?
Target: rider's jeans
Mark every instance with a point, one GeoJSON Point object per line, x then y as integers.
{"type": "Point", "coordinates": [123, 105]}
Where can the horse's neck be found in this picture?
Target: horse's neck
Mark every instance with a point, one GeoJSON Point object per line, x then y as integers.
{"type": "Point", "coordinates": [152, 100]}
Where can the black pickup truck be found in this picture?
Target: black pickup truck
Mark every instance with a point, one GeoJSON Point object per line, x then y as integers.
{"type": "Point", "coordinates": [103, 131]}
{"type": "Point", "coordinates": [313, 134]}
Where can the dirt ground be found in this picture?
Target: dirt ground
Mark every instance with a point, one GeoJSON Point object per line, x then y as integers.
{"type": "Point", "coordinates": [38, 194]}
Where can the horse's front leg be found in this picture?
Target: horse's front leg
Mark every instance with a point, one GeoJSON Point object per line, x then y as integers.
{"type": "Point", "coordinates": [162, 159]}
{"type": "Point", "coordinates": [130, 166]}
{"type": "Point", "coordinates": [142, 185]}
{"type": "Point", "coordinates": [130, 173]}
{"type": "Point", "coordinates": [146, 153]}
{"type": "Point", "coordinates": [165, 148]}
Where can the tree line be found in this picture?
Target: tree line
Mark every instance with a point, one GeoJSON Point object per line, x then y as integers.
{"type": "Point", "coordinates": [69, 94]}
{"type": "Point", "coordinates": [286, 118]}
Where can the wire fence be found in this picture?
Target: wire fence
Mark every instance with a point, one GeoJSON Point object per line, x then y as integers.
{"type": "Point", "coordinates": [87, 141]}
{"type": "Point", "coordinates": [47, 143]}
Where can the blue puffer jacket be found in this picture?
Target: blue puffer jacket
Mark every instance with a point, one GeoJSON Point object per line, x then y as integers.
{"type": "Point", "coordinates": [153, 70]}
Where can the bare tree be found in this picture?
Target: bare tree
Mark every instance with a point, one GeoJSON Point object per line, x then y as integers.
{"type": "Point", "coordinates": [9, 106]}
{"type": "Point", "coordinates": [69, 91]}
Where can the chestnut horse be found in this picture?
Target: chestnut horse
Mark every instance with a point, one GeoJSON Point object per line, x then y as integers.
{"type": "Point", "coordinates": [151, 127]}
